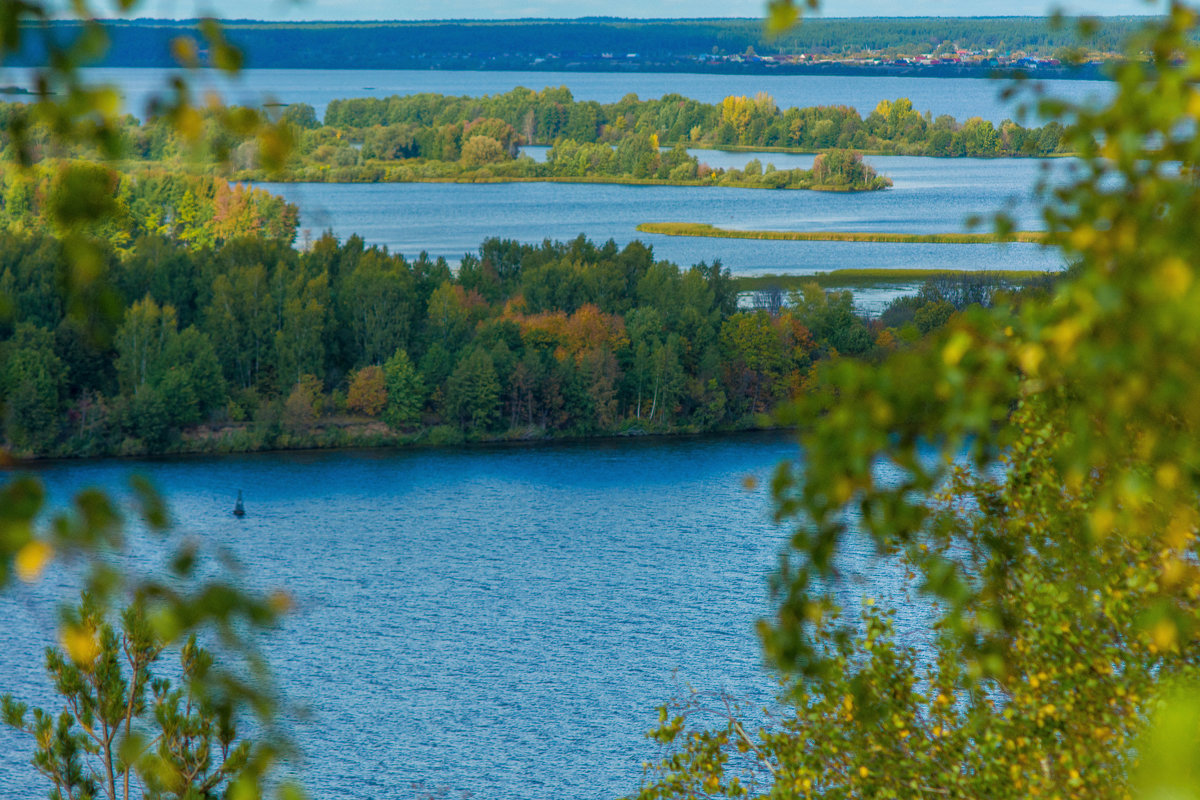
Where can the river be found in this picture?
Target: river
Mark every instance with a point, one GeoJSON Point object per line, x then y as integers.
{"type": "Point", "coordinates": [496, 622]}
{"type": "Point", "coordinates": [930, 195]}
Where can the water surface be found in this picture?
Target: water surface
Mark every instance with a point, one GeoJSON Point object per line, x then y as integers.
{"type": "Point", "coordinates": [930, 195]}
{"type": "Point", "coordinates": [497, 621]}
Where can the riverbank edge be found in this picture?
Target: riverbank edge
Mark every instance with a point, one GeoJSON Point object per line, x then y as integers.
{"type": "Point", "coordinates": [707, 230]}
{"type": "Point", "coordinates": [422, 440]}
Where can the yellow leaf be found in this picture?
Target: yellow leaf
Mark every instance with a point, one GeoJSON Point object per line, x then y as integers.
{"type": "Point", "coordinates": [1082, 237]}
{"type": "Point", "coordinates": [183, 49]}
{"type": "Point", "coordinates": [189, 123]}
{"type": "Point", "coordinates": [1193, 105]}
{"type": "Point", "coordinates": [1164, 634]}
{"type": "Point", "coordinates": [1030, 357]}
{"type": "Point", "coordinates": [281, 602]}
{"type": "Point", "coordinates": [107, 101]}
{"type": "Point", "coordinates": [80, 644]}
{"type": "Point", "coordinates": [1065, 334]}
{"type": "Point", "coordinates": [781, 15]}
{"type": "Point", "coordinates": [1102, 521]}
{"type": "Point", "coordinates": [32, 559]}
{"type": "Point", "coordinates": [955, 349]}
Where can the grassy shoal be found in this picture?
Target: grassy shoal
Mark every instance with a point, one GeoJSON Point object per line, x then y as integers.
{"type": "Point", "coordinates": [862, 278]}
{"type": "Point", "coordinates": [705, 229]}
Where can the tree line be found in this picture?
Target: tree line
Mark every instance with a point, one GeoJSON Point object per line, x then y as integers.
{"type": "Point", "coordinates": [249, 343]}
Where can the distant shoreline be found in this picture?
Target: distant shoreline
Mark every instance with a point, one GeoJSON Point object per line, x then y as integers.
{"type": "Point", "coordinates": [976, 47]}
{"type": "Point", "coordinates": [1094, 71]}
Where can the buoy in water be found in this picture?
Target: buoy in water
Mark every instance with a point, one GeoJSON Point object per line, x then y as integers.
{"type": "Point", "coordinates": [238, 509]}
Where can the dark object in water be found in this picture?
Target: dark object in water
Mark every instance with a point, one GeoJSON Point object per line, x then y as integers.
{"type": "Point", "coordinates": [238, 509]}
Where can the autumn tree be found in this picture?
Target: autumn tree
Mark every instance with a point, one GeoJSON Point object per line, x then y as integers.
{"type": "Point", "coordinates": [302, 406]}
{"type": "Point", "coordinates": [368, 392]}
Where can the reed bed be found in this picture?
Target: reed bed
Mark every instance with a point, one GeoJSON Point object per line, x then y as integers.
{"type": "Point", "coordinates": [705, 229]}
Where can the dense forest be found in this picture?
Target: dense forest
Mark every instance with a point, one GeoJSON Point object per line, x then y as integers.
{"type": "Point", "coordinates": [518, 43]}
{"type": "Point", "coordinates": [233, 342]}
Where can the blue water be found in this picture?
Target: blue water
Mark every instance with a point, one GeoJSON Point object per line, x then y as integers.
{"type": "Point", "coordinates": [961, 98]}
{"type": "Point", "coordinates": [499, 621]}
{"type": "Point", "coordinates": [930, 195]}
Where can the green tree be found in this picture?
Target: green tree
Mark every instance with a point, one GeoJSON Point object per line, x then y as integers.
{"type": "Point", "coordinates": [755, 357]}
{"type": "Point", "coordinates": [405, 391]}
{"type": "Point", "coordinates": [121, 725]}
{"type": "Point", "coordinates": [240, 323]}
{"type": "Point", "coordinates": [301, 115]}
{"type": "Point", "coordinates": [299, 346]}
{"type": "Point", "coordinates": [140, 341]}
{"type": "Point", "coordinates": [480, 150]}
{"type": "Point", "coordinates": [378, 298]}
{"type": "Point", "coordinates": [473, 393]}
{"type": "Point", "coordinates": [33, 383]}
{"type": "Point", "coordinates": [193, 372]}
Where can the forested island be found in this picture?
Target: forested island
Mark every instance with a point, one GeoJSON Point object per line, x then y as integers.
{"type": "Point", "coordinates": [430, 137]}
{"type": "Point", "coordinates": [230, 339]}
{"type": "Point", "coordinates": [473, 148]}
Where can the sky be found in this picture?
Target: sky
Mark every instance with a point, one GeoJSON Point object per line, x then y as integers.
{"type": "Point", "coordinates": [508, 9]}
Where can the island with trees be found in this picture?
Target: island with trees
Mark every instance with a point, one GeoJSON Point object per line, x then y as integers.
{"type": "Point", "coordinates": [433, 138]}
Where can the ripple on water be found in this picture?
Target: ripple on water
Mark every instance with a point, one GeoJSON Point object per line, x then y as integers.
{"type": "Point", "coordinates": [500, 621]}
